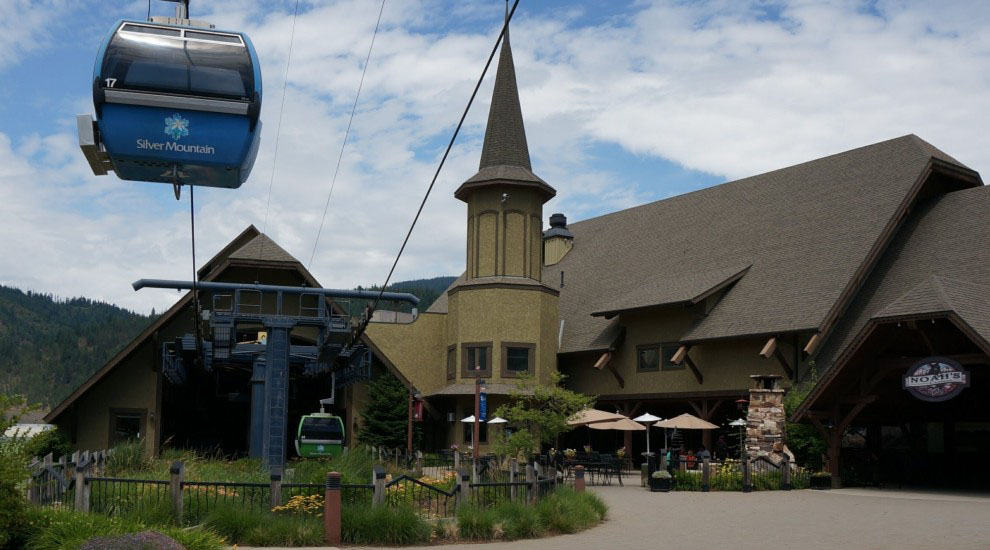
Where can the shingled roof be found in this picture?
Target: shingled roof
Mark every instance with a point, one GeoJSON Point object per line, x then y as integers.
{"type": "Point", "coordinates": [939, 263]}
{"type": "Point", "coordinates": [505, 154]}
{"type": "Point", "coordinates": [807, 232]}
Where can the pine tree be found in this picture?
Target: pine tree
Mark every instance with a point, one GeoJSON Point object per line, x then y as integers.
{"type": "Point", "coordinates": [386, 413]}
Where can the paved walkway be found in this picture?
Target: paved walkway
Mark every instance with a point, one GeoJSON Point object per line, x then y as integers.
{"type": "Point", "coordinates": [847, 518]}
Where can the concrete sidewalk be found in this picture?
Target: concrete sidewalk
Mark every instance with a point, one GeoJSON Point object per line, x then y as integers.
{"type": "Point", "coordinates": [847, 518]}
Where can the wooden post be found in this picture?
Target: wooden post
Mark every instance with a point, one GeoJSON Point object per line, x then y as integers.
{"type": "Point", "coordinates": [706, 475]}
{"type": "Point", "coordinates": [747, 474]}
{"type": "Point", "coordinates": [275, 496]}
{"type": "Point", "coordinates": [419, 463]}
{"type": "Point", "coordinates": [457, 461]}
{"type": "Point", "coordinates": [82, 488]}
{"type": "Point", "coordinates": [378, 479]}
{"type": "Point", "coordinates": [64, 471]}
{"type": "Point", "coordinates": [531, 483]}
{"type": "Point", "coordinates": [579, 478]}
{"type": "Point", "coordinates": [464, 491]}
{"type": "Point", "coordinates": [32, 489]}
{"type": "Point", "coordinates": [177, 474]}
{"type": "Point", "coordinates": [785, 473]}
{"type": "Point", "coordinates": [331, 510]}
{"type": "Point", "coordinates": [513, 477]}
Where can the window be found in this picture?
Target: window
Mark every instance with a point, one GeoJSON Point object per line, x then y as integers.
{"type": "Point", "coordinates": [477, 360]}
{"type": "Point", "coordinates": [451, 362]}
{"type": "Point", "coordinates": [126, 424]}
{"type": "Point", "coordinates": [667, 352]}
{"type": "Point", "coordinates": [648, 358]}
{"type": "Point", "coordinates": [517, 359]}
{"type": "Point", "coordinates": [469, 432]}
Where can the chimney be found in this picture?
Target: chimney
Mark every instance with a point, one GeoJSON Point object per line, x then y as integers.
{"type": "Point", "coordinates": [557, 241]}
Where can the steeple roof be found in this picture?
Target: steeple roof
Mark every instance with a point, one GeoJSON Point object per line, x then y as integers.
{"type": "Point", "coordinates": [505, 154]}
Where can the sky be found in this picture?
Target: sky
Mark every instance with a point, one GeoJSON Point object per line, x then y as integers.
{"type": "Point", "coordinates": [625, 102]}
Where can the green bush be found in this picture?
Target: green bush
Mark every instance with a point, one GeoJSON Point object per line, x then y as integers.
{"type": "Point", "coordinates": [518, 521]}
{"type": "Point", "coordinates": [565, 511]}
{"type": "Point", "coordinates": [232, 522]}
{"type": "Point", "coordinates": [49, 441]}
{"type": "Point", "coordinates": [475, 522]}
{"type": "Point", "coordinates": [687, 480]}
{"type": "Point", "coordinates": [13, 473]}
{"type": "Point", "coordinates": [275, 530]}
{"type": "Point", "coordinates": [127, 457]}
{"type": "Point", "coordinates": [383, 525]}
{"type": "Point", "coordinates": [49, 529]}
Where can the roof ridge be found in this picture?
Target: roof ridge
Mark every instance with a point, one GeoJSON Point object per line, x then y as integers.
{"type": "Point", "coordinates": [908, 137]}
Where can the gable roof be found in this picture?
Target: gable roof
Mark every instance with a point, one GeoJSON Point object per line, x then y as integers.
{"type": "Point", "coordinates": [938, 264]}
{"type": "Point", "coordinates": [656, 291]}
{"type": "Point", "coordinates": [810, 233]}
{"type": "Point", "coordinates": [239, 248]}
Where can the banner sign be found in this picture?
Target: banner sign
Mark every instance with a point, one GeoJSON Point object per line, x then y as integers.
{"type": "Point", "coordinates": [936, 379]}
{"type": "Point", "coordinates": [417, 412]}
{"type": "Point", "coordinates": [483, 417]}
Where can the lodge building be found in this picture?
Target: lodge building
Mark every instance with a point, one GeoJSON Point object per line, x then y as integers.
{"type": "Point", "coordinates": [850, 270]}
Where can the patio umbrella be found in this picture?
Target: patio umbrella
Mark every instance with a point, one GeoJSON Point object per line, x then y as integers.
{"type": "Point", "coordinates": [497, 420]}
{"type": "Point", "coordinates": [593, 416]}
{"type": "Point", "coordinates": [624, 425]}
{"type": "Point", "coordinates": [686, 422]}
{"type": "Point", "coordinates": [469, 420]}
{"type": "Point", "coordinates": [647, 418]}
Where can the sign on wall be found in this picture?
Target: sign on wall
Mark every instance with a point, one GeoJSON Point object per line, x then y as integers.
{"type": "Point", "coordinates": [936, 379]}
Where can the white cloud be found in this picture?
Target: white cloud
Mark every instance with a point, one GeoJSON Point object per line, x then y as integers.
{"type": "Point", "coordinates": [712, 86]}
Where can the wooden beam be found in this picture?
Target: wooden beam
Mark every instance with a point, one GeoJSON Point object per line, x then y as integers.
{"type": "Point", "coordinates": [694, 369]}
{"type": "Point", "coordinates": [680, 354]}
{"type": "Point", "coordinates": [783, 362]}
{"type": "Point", "coordinates": [896, 363]}
{"type": "Point", "coordinates": [711, 411]}
{"type": "Point", "coordinates": [850, 416]}
{"type": "Point", "coordinates": [769, 348]}
{"type": "Point", "coordinates": [603, 360]}
{"type": "Point", "coordinates": [618, 377]}
{"type": "Point", "coordinates": [913, 325]}
{"type": "Point", "coordinates": [812, 343]}
{"type": "Point", "coordinates": [697, 409]}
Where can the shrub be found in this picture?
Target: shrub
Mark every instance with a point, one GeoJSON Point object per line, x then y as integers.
{"type": "Point", "coordinates": [518, 521]}
{"type": "Point", "coordinates": [687, 480]}
{"type": "Point", "coordinates": [145, 540]}
{"type": "Point", "coordinates": [273, 530]}
{"type": "Point", "coordinates": [49, 529]}
{"type": "Point", "coordinates": [49, 441]}
{"type": "Point", "coordinates": [232, 522]}
{"type": "Point", "coordinates": [383, 525]}
{"type": "Point", "coordinates": [474, 522]}
{"type": "Point", "coordinates": [565, 511]}
{"type": "Point", "coordinates": [127, 457]}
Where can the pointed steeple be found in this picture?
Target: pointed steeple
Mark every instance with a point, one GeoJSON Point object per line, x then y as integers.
{"type": "Point", "coordinates": [505, 137]}
{"type": "Point", "coordinates": [505, 154]}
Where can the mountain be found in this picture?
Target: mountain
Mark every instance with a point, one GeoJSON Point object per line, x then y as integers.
{"type": "Point", "coordinates": [427, 290]}
{"type": "Point", "coordinates": [50, 345]}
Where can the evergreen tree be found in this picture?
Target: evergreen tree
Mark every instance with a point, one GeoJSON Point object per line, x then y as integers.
{"type": "Point", "coordinates": [386, 413]}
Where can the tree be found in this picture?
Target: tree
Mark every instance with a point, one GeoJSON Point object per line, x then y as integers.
{"type": "Point", "coordinates": [539, 413]}
{"type": "Point", "coordinates": [386, 414]}
{"type": "Point", "coordinates": [802, 438]}
{"type": "Point", "coordinates": [13, 469]}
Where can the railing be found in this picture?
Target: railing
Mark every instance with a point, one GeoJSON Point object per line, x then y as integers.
{"type": "Point", "coordinates": [118, 496]}
{"type": "Point", "coordinates": [428, 500]}
{"type": "Point", "coordinates": [753, 474]}
{"type": "Point", "coordinates": [199, 498]}
{"type": "Point", "coordinates": [177, 499]}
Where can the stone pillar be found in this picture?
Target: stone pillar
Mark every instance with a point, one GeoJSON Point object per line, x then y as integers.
{"type": "Point", "coordinates": [765, 430]}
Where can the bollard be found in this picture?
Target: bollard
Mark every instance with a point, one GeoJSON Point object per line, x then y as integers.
{"type": "Point", "coordinates": [331, 510]}
{"type": "Point", "coordinates": [579, 478]}
{"type": "Point", "coordinates": [513, 478]}
{"type": "Point", "coordinates": [177, 473]}
{"type": "Point", "coordinates": [464, 488]}
{"type": "Point", "coordinates": [378, 479]}
{"type": "Point", "coordinates": [706, 475]}
{"type": "Point", "coordinates": [275, 494]}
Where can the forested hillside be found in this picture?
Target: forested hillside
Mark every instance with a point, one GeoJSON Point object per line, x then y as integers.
{"type": "Point", "coordinates": [51, 345]}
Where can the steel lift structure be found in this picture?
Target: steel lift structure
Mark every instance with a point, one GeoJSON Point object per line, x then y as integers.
{"type": "Point", "coordinates": [336, 350]}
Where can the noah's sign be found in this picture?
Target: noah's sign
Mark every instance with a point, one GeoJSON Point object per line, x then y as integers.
{"type": "Point", "coordinates": [936, 379]}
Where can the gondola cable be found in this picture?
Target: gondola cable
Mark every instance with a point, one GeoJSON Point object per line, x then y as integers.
{"type": "Point", "coordinates": [278, 133]}
{"type": "Point", "coordinates": [371, 310]}
{"type": "Point", "coordinates": [340, 156]}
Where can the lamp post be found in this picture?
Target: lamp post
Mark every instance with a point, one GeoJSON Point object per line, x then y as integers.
{"type": "Point", "coordinates": [477, 420]}
{"type": "Point", "coordinates": [413, 397]}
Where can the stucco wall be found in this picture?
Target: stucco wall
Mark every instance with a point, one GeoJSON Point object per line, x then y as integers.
{"type": "Point", "coordinates": [504, 232]}
{"type": "Point", "coordinates": [417, 349]}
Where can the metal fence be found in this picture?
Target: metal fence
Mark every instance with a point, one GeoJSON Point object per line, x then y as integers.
{"type": "Point", "coordinates": [753, 474]}
{"type": "Point", "coordinates": [120, 496]}
{"type": "Point", "coordinates": [199, 498]}
{"type": "Point", "coordinates": [428, 500]}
